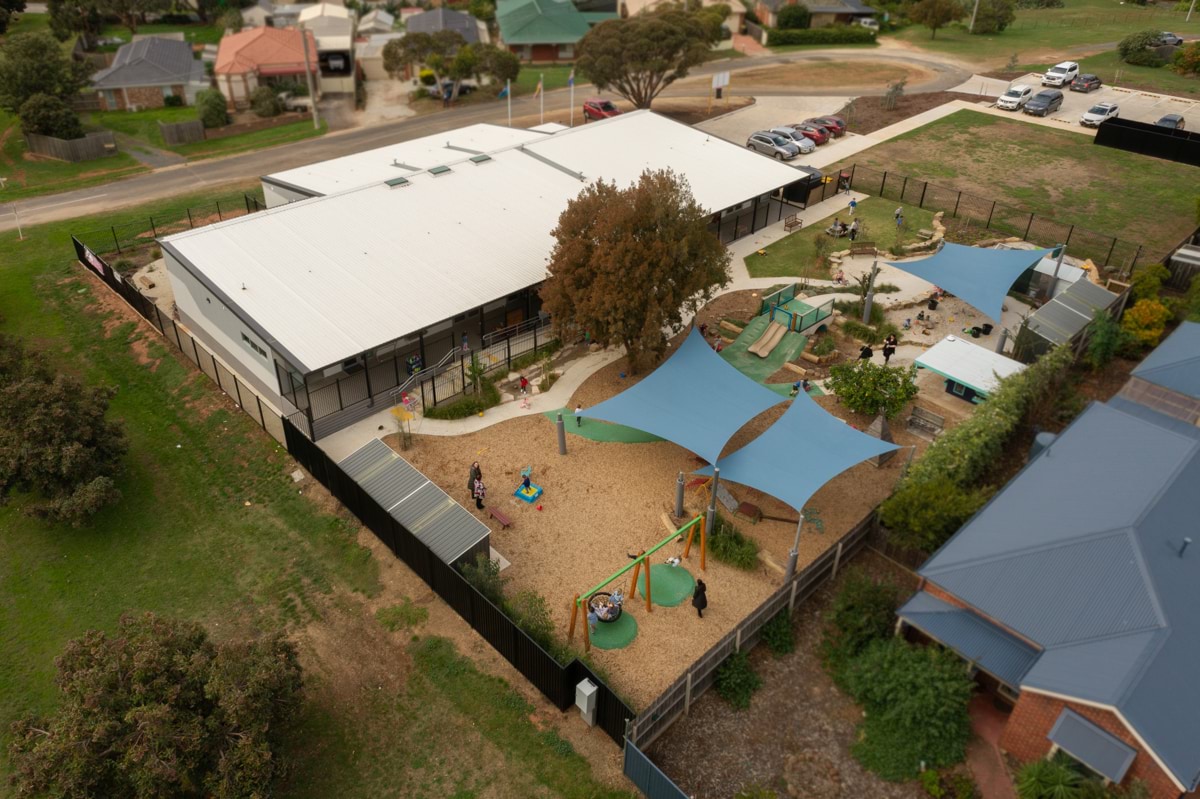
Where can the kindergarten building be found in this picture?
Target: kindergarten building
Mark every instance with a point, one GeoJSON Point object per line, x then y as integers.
{"type": "Point", "coordinates": [363, 262]}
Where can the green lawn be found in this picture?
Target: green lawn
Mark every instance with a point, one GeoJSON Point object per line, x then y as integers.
{"type": "Point", "coordinates": [29, 23]}
{"type": "Point", "coordinates": [1078, 23]}
{"type": "Point", "coordinates": [795, 255]}
{"type": "Point", "coordinates": [34, 177]}
{"type": "Point", "coordinates": [196, 34]}
{"type": "Point", "coordinates": [212, 528]}
{"type": "Point", "coordinates": [555, 78]}
{"type": "Point", "coordinates": [1163, 80]}
{"type": "Point", "coordinates": [140, 124]}
{"type": "Point", "coordinates": [271, 137]}
{"type": "Point", "coordinates": [793, 48]}
{"type": "Point", "coordinates": [1057, 174]}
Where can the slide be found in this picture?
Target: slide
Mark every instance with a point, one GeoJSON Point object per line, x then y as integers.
{"type": "Point", "coordinates": [768, 340]}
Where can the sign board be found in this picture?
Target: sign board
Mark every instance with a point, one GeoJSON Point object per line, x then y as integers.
{"type": "Point", "coordinates": [720, 80]}
{"type": "Point", "coordinates": [94, 261]}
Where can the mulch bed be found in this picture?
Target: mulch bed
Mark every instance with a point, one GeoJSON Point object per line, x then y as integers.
{"type": "Point", "coordinates": [869, 115]}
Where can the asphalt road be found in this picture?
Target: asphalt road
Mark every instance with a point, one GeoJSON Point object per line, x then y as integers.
{"type": "Point", "coordinates": [175, 180]}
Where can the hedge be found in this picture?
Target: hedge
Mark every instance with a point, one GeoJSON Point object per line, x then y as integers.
{"type": "Point", "coordinates": [836, 34]}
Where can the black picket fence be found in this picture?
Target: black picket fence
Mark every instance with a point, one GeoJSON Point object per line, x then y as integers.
{"type": "Point", "coordinates": [556, 681]}
{"type": "Point", "coordinates": [125, 237]}
{"type": "Point", "coordinates": [1005, 220]}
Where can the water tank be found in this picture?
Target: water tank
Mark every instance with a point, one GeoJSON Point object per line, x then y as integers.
{"type": "Point", "coordinates": [1040, 442]}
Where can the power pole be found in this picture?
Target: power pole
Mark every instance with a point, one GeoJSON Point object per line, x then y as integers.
{"type": "Point", "coordinates": [312, 94]}
{"type": "Point", "coordinates": [976, 11]}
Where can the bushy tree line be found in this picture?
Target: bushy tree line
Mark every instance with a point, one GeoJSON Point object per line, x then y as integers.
{"type": "Point", "coordinates": [36, 81]}
{"type": "Point", "coordinates": [448, 57]}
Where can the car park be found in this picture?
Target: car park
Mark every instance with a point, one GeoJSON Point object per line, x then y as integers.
{"type": "Point", "coordinates": [835, 125]}
{"type": "Point", "coordinates": [772, 144]}
{"type": "Point", "coordinates": [1015, 98]}
{"type": "Point", "coordinates": [599, 108]}
{"type": "Point", "coordinates": [1060, 74]}
{"type": "Point", "coordinates": [805, 144]}
{"type": "Point", "coordinates": [1086, 83]}
{"type": "Point", "coordinates": [817, 134]}
{"type": "Point", "coordinates": [1166, 37]}
{"type": "Point", "coordinates": [1172, 121]}
{"type": "Point", "coordinates": [1044, 103]}
{"type": "Point", "coordinates": [1098, 113]}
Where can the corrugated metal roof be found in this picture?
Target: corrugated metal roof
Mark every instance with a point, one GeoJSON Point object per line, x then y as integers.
{"type": "Point", "coordinates": [1111, 662]}
{"type": "Point", "coordinates": [151, 62]}
{"type": "Point", "coordinates": [329, 278]}
{"type": "Point", "coordinates": [1175, 364]}
{"type": "Point", "coordinates": [540, 22]}
{"type": "Point", "coordinates": [969, 364]}
{"type": "Point", "coordinates": [971, 636]}
{"type": "Point", "coordinates": [444, 19]}
{"type": "Point", "coordinates": [426, 511]}
{"type": "Point", "coordinates": [1096, 748]}
{"type": "Point", "coordinates": [1059, 320]}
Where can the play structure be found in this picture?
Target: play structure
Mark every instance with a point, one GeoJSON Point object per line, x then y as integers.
{"type": "Point", "coordinates": [528, 491]}
{"type": "Point", "coordinates": [602, 602]}
{"type": "Point", "coordinates": [768, 340]}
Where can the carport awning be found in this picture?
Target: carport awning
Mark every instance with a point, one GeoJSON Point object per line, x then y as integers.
{"type": "Point", "coordinates": [1096, 748]}
{"type": "Point", "coordinates": [978, 276]}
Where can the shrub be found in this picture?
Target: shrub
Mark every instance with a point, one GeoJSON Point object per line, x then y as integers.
{"type": "Point", "coordinates": [45, 115]}
{"type": "Point", "coordinates": [402, 616]}
{"type": "Point", "coordinates": [210, 106]}
{"type": "Point", "coordinates": [824, 345]}
{"type": "Point", "coordinates": [1105, 340]}
{"type": "Point", "coordinates": [863, 612]}
{"type": "Point", "coordinates": [427, 77]}
{"type": "Point", "coordinates": [794, 17]}
{"type": "Point", "coordinates": [931, 783]}
{"type": "Point", "coordinates": [1047, 779]}
{"type": "Point", "coordinates": [778, 635]}
{"type": "Point", "coordinates": [872, 388]}
{"type": "Point", "coordinates": [1136, 43]}
{"type": "Point", "coordinates": [533, 356]}
{"type": "Point", "coordinates": [1145, 321]}
{"type": "Point", "coordinates": [922, 516]}
{"type": "Point", "coordinates": [993, 16]}
{"type": "Point", "coordinates": [915, 700]}
{"type": "Point", "coordinates": [173, 101]}
{"type": "Point", "coordinates": [728, 545]}
{"type": "Point", "coordinates": [1039, 3]}
{"type": "Point", "coordinates": [1186, 60]}
{"type": "Point", "coordinates": [531, 613]}
{"type": "Point", "coordinates": [485, 575]}
{"type": "Point", "coordinates": [756, 791]}
{"type": "Point", "coordinates": [834, 34]}
{"type": "Point", "coordinates": [853, 309]}
{"type": "Point", "coordinates": [736, 681]}
{"type": "Point", "coordinates": [1148, 281]}
{"type": "Point", "coordinates": [470, 405]}
{"type": "Point", "coordinates": [265, 102]}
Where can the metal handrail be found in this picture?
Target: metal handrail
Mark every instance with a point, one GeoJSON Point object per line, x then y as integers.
{"type": "Point", "coordinates": [421, 374]}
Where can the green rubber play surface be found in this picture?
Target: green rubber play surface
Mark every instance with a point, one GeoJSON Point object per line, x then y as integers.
{"type": "Point", "coordinates": [669, 585]}
{"type": "Point", "coordinates": [616, 634]}
{"type": "Point", "coordinates": [596, 430]}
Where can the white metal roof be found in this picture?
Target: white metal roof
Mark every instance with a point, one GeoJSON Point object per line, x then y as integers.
{"type": "Point", "coordinates": [969, 364]}
{"type": "Point", "coordinates": [549, 127]}
{"type": "Point", "coordinates": [384, 163]}
{"type": "Point", "coordinates": [328, 278]}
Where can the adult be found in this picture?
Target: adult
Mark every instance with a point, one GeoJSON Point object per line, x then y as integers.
{"type": "Point", "coordinates": [854, 230]}
{"type": "Point", "coordinates": [889, 348]}
{"type": "Point", "coordinates": [865, 353]}
{"type": "Point", "coordinates": [700, 598]}
{"type": "Point", "coordinates": [899, 212]}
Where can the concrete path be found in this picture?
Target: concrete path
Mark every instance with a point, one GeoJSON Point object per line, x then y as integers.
{"type": "Point", "coordinates": [147, 155]}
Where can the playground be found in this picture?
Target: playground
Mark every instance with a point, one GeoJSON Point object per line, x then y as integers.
{"type": "Point", "coordinates": [610, 498]}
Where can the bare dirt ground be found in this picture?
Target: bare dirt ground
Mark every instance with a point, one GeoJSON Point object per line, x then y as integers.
{"type": "Point", "coordinates": [799, 713]}
{"type": "Point", "coordinates": [839, 75]}
{"type": "Point", "coordinates": [867, 114]}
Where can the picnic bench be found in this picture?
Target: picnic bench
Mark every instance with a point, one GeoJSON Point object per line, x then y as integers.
{"type": "Point", "coordinates": [792, 221]}
{"type": "Point", "coordinates": [500, 516]}
{"type": "Point", "coordinates": [862, 248]}
{"type": "Point", "coordinates": [926, 422]}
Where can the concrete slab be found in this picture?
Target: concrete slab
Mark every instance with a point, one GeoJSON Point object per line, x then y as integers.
{"type": "Point", "coordinates": [768, 112]}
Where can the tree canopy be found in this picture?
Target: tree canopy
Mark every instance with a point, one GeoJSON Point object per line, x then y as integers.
{"type": "Point", "coordinates": [7, 9]}
{"type": "Point", "coordinates": [994, 16]}
{"type": "Point", "coordinates": [49, 116]}
{"type": "Point", "coordinates": [131, 12]}
{"type": "Point", "coordinates": [629, 262]}
{"type": "Point", "coordinates": [870, 388]}
{"type": "Point", "coordinates": [69, 17]}
{"type": "Point", "coordinates": [34, 63]}
{"type": "Point", "coordinates": [54, 440]}
{"type": "Point", "coordinates": [796, 16]}
{"type": "Point", "coordinates": [431, 49]}
{"type": "Point", "coordinates": [934, 14]}
{"type": "Point", "coordinates": [158, 710]}
{"type": "Point", "coordinates": [640, 56]}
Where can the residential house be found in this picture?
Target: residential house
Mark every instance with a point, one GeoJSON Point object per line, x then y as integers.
{"type": "Point", "coordinates": [1073, 592]}
{"type": "Point", "coordinates": [146, 72]}
{"type": "Point", "coordinates": [259, 56]}
{"type": "Point", "coordinates": [630, 8]}
{"type": "Point", "coordinates": [375, 21]}
{"type": "Point", "coordinates": [257, 15]}
{"type": "Point", "coordinates": [544, 31]}
{"type": "Point", "coordinates": [824, 12]}
{"type": "Point", "coordinates": [445, 19]}
{"type": "Point", "coordinates": [370, 56]}
{"type": "Point", "coordinates": [407, 12]}
{"type": "Point", "coordinates": [333, 27]}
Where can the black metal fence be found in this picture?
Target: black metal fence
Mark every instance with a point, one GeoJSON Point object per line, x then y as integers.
{"type": "Point", "coordinates": [1005, 220]}
{"type": "Point", "coordinates": [245, 397]}
{"type": "Point", "coordinates": [125, 237]}
{"type": "Point", "coordinates": [1141, 137]}
{"type": "Point", "coordinates": [556, 681]}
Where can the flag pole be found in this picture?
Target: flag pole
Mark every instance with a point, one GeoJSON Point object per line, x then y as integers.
{"type": "Point", "coordinates": [508, 97]}
{"type": "Point", "coordinates": [542, 99]}
{"type": "Point", "coordinates": [572, 100]}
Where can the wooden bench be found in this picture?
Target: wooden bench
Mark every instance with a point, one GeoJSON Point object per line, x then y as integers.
{"type": "Point", "coordinates": [862, 248]}
{"type": "Point", "coordinates": [501, 517]}
{"type": "Point", "coordinates": [748, 510]}
{"type": "Point", "coordinates": [792, 221]}
{"type": "Point", "coordinates": [923, 421]}
{"type": "Point", "coordinates": [145, 281]}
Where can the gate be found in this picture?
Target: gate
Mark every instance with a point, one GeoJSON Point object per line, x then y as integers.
{"type": "Point", "coordinates": [648, 777]}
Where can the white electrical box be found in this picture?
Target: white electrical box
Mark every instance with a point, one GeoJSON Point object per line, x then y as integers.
{"type": "Point", "coordinates": [585, 700]}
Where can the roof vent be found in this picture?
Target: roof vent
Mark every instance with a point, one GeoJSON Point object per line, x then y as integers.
{"type": "Point", "coordinates": [397, 182]}
{"type": "Point", "coordinates": [1184, 546]}
{"type": "Point", "coordinates": [480, 159]}
{"type": "Point", "coordinates": [439, 170]}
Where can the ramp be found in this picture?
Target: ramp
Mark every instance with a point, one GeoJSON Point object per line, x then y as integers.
{"type": "Point", "coordinates": [768, 341]}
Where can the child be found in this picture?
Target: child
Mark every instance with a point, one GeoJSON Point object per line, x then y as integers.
{"type": "Point", "coordinates": [592, 619]}
{"type": "Point", "coordinates": [578, 418]}
{"type": "Point", "coordinates": [524, 385]}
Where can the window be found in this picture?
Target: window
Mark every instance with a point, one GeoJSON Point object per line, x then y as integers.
{"type": "Point", "coordinates": [526, 52]}
{"type": "Point", "coordinates": [168, 92]}
{"type": "Point", "coordinates": [566, 51]}
{"type": "Point", "coordinates": [253, 345]}
{"type": "Point", "coordinates": [110, 100]}
{"type": "Point", "coordinates": [958, 388]}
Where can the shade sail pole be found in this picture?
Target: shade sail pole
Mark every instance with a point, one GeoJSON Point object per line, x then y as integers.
{"type": "Point", "coordinates": [794, 555]}
{"type": "Point", "coordinates": [712, 500]}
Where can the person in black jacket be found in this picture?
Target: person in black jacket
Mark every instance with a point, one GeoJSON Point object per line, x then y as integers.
{"type": "Point", "coordinates": [700, 598]}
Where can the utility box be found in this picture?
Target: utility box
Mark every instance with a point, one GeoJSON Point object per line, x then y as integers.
{"type": "Point", "coordinates": [585, 700]}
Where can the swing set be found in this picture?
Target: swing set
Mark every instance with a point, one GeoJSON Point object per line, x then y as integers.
{"type": "Point", "coordinates": [641, 560]}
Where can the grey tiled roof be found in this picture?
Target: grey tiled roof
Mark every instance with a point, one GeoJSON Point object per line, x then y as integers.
{"type": "Point", "coordinates": [443, 19]}
{"type": "Point", "coordinates": [151, 62]}
{"type": "Point", "coordinates": [1175, 364]}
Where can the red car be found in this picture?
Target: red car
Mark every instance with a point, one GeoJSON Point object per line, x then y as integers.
{"type": "Point", "coordinates": [836, 125]}
{"type": "Point", "coordinates": [818, 135]}
{"type": "Point", "coordinates": [597, 108]}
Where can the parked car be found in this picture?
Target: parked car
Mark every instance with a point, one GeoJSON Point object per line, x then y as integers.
{"type": "Point", "coordinates": [599, 108]}
{"type": "Point", "coordinates": [1166, 37]}
{"type": "Point", "coordinates": [1061, 74]}
{"type": "Point", "coordinates": [1044, 103]}
{"type": "Point", "coordinates": [1015, 98]}
{"type": "Point", "coordinates": [830, 134]}
{"type": "Point", "coordinates": [816, 133]}
{"type": "Point", "coordinates": [870, 23]}
{"type": "Point", "coordinates": [293, 103]}
{"type": "Point", "coordinates": [1085, 83]}
{"type": "Point", "coordinates": [805, 144]}
{"type": "Point", "coordinates": [1172, 121]}
{"type": "Point", "coordinates": [772, 144]}
{"type": "Point", "coordinates": [1098, 113]}
{"type": "Point", "coordinates": [835, 125]}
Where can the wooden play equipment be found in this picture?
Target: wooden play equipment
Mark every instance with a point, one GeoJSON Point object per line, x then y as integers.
{"type": "Point", "coordinates": [768, 340]}
{"type": "Point", "coordinates": [639, 562]}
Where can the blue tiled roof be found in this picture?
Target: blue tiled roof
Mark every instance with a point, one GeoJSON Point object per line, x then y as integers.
{"type": "Point", "coordinates": [1096, 748]}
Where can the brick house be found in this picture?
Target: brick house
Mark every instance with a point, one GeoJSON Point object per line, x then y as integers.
{"type": "Point", "coordinates": [259, 56]}
{"type": "Point", "coordinates": [544, 31]}
{"type": "Point", "coordinates": [1073, 594]}
{"type": "Point", "coordinates": [145, 72]}
{"type": "Point", "coordinates": [824, 12]}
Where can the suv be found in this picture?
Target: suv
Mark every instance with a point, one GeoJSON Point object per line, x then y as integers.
{"type": "Point", "coordinates": [805, 144]}
{"type": "Point", "coordinates": [1015, 97]}
{"type": "Point", "coordinates": [817, 134]}
{"type": "Point", "coordinates": [1060, 74]}
{"type": "Point", "coordinates": [834, 124]}
{"type": "Point", "coordinates": [1098, 113]}
{"type": "Point", "coordinates": [598, 108]}
{"type": "Point", "coordinates": [1172, 121]}
{"type": "Point", "coordinates": [773, 144]}
{"type": "Point", "coordinates": [1085, 83]}
{"type": "Point", "coordinates": [1044, 103]}
{"type": "Point", "coordinates": [1166, 37]}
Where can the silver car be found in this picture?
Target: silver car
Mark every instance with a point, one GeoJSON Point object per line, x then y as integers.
{"type": "Point", "coordinates": [773, 144]}
{"type": "Point", "coordinates": [805, 144]}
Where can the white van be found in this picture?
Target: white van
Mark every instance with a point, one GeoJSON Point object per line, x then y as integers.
{"type": "Point", "coordinates": [1016, 97]}
{"type": "Point", "coordinates": [870, 23]}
